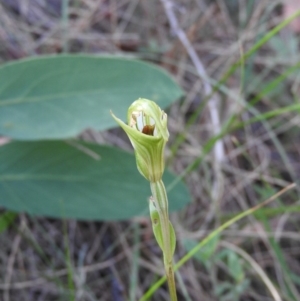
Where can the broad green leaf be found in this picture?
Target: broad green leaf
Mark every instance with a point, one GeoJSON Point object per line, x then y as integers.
{"type": "Point", "coordinates": [58, 97]}
{"type": "Point", "coordinates": [76, 180]}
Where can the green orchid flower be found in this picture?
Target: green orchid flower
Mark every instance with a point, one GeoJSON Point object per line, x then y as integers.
{"type": "Point", "coordinates": [148, 133]}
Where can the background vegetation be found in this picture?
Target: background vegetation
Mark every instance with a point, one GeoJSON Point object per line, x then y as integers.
{"type": "Point", "coordinates": [234, 142]}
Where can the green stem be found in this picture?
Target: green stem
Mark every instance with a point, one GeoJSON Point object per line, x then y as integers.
{"type": "Point", "coordinates": [161, 203]}
{"type": "Point", "coordinates": [171, 282]}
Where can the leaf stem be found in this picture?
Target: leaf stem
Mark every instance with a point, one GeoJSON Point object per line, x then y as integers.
{"type": "Point", "coordinates": [161, 203]}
